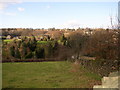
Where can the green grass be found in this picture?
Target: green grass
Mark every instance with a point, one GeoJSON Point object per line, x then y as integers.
{"type": "Point", "coordinates": [61, 74]}
{"type": "Point", "coordinates": [39, 42]}
{"type": "Point", "coordinates": [43, 42]}
{"type": "Point", "coordinates": [8, 40]}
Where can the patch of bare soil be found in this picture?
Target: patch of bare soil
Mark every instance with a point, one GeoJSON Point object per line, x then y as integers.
{"type": "Point", "coordinates": [94, 82]}
{"type": "Point", "coordinates": [75, 67]}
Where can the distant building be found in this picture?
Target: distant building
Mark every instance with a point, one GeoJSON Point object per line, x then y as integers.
{"type": "Point", "coordinates": [88, 31]}
{"type": "Point", "coordinates": [43, 37]}
{"type": "Point", "coordinates": [9, 37]}
{"type": "Point", "coordinates": [0, 37]}
{"type": "Point", "coordinates": [16, 37]}
{"type": "Point", "coordinates": [66, 34]}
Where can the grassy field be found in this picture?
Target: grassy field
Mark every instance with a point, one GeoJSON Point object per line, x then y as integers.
{"type": "Point", "coordinates": [60, 74]}
{"type": "Point", "coordinates": [8, 40]}
{"type": "Point", "coordinates": [43, 42]}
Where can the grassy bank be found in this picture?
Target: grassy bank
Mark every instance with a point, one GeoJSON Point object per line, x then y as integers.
{"type": "Point", "coordinates": [43, 42]}
{"type": "Point", "coordinates": [47, 75]}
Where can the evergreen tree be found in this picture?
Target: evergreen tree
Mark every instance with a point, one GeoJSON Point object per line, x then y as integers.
{"type": "Point", "coordinates": [23, 50]}
{"type": "Point", "coordinates": [29, 55]}
{"type": "Point", "coordinates": [32, 43]}
{"type": "Point", "coordinates": [48, 50]}
{"type": "Point", "coordinates": [12, 51]}
{"type": "Point", "coordinates": [17, 54]}
{"type": "Point", "coordinates": [40, 53]}
{"type": "Point", "coordinates": [63, 40]}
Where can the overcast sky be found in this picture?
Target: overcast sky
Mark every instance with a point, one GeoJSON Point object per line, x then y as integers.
{"type": "Point", "coordinates": [57, 14]}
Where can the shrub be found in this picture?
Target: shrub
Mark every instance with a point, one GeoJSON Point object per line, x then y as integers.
{"type": "Point", "coordinates": [39, 52]}
{"type": "Point", "coordinates": [29, 55]}
{"type": "Point", "coordinates": [12, 51]}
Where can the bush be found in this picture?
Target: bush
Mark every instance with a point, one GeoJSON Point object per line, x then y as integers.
{"type": "Point", "coordinates": [40, 53]}
{"type": "Point", "coordinates": [48, 50]}
{"type": "Point", "coordinates": [29, 55]}
{"type": "Point", "coordinates": [12, 51]}
{"type": "Point", "coordinates": [17, 54]}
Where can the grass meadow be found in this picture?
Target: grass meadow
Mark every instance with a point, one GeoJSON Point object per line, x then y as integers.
{"type": "Point", "coordinates": [39, 42]}
{"type": "Point", "coordinates": [60, 74]}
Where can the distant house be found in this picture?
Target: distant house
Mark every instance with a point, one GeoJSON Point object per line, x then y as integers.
{"type": "Point", "coordinates": [66, 34]}
{"type": "Point", "coordinates": [43, 37]}
{"type": "Point", "coordinates": [16, 37]}
{"type": "Point", "coordinates": [9, 37]}
{"type": "Point", "coordinates": [0, 37]}
{"type": "Point", "coordinates": [88, 31]}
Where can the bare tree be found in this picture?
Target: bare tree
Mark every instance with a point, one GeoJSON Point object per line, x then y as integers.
{"type": "Point", "coordinates": [111, 21]}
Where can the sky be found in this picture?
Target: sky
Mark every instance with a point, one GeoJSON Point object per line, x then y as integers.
{"type": "Point", "coordinates": [57, 14]}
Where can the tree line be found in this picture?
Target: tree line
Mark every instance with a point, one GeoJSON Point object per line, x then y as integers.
{"type": "Point", "coordinates": [102, 44]}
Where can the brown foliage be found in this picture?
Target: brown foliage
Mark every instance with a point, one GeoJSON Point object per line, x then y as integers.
{"type": "Point", "coordinates": [102, 45]}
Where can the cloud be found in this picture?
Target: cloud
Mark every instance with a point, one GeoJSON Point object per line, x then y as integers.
{"type": "Point", "coordinates": [8, 13]}
{"type": "Point", "coordinates": [48, 7]}
{"type": "Point", "coordinates": [21, 9]}
{"type": "Point", "coordinates": [71, 24]}
{"type": "Point", "coordinates": [11, 1]}
{"type": "Point", "coordinates": [5, 3]}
